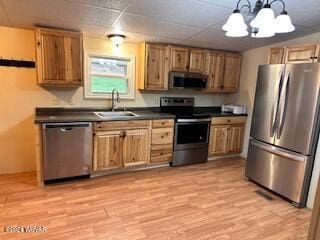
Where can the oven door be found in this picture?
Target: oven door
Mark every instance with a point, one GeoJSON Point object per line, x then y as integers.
{"type": "Point", "coordinates": [191, 133]}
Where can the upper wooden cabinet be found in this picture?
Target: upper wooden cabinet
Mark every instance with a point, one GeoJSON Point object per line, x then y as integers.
{"type": "Point", "coordinates": [157, 60]}
{"type": "Point", "coordinates": [231, 72]}
{"type": "Point", "coordinates": [276, 55]}
{"type": "Point", "coordinates": [59, 57]}
{"type": "Point", "coordinates": [179, 59]}
{"type": "Point", "coordinates": [301, 54]}
{"type": "Point", "coordinates": [197, 60]}
{"type": "Point", "coordinates": [294, 54]}
{"type": "Point", "coordinates": [215, 70]}
{"type": "Point", "coordinates": [223, 70]}
{"type": "Point", "coordinates": [153, 66]}
{"type": "Point", "coordinates": [187, 59]}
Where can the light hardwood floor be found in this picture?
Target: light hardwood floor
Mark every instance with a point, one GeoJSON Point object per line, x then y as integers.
{"type": "Point", "coordinates": [206, 201]}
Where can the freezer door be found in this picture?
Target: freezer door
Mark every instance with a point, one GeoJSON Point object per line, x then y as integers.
{"type": "Point", "coordinates": [278, 170]}
{"type": "Point", "coordinates": [298, 107]}
{"type": "Point", "coordinates": [270, 78]}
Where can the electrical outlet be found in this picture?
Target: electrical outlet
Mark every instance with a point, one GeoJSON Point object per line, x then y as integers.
{"type": "Point", "coordinates": [56, 101]}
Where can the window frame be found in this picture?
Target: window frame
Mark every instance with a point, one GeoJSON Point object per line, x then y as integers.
{"type": "Point", "coordinates": [131, 74]}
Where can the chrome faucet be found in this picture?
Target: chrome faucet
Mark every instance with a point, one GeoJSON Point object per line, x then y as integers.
{"type": "Point", "coordinates": [118, 99]}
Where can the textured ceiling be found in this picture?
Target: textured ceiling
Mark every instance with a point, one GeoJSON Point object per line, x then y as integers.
{"type": "Point", "coordinates": [188, 22]}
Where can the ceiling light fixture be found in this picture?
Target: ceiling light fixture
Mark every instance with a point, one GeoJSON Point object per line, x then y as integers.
{"type": "Point", "coordinates": [116, 39]}
{"type": "Point", "coordinates": [264, 23]}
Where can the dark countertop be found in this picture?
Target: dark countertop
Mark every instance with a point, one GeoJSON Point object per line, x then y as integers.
{"type": "Point", "coordinates": [52, 115]}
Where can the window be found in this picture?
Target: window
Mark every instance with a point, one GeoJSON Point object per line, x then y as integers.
{"type": "Point", "coordinates": [103, 73]}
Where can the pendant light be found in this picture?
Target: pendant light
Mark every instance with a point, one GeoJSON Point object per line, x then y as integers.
{"type": "Point", "coordinates": [283, 23]}
{"type": "Point", "coordinates": [264, 24]}
{"type": "Point", "coordinates": [235, 26]}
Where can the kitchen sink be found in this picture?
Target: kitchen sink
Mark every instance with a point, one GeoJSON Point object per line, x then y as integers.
{"type": "Point", "coordinates": [110, 114]}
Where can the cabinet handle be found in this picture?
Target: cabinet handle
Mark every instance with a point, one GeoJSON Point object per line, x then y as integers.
{"type": "Point", "coordinates": [39, 43]}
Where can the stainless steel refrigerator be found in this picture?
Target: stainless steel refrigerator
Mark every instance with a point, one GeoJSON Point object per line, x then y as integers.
{"type": "Point", "coordinates": [285, 129]}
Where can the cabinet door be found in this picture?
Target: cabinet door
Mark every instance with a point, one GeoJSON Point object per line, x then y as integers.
{"type": "Point", "coordinates": [59, 57]}
{"type": "Point", "coordinates": [235, 139]}
{"type": "Point", "coordinates": [52, 58]}
{"type": "Point", "coordinates": [231, 72]}
{"type": "Point", "coordinates": [197, 60]}
{"type": "Point", "coordinates": [157, 69]}
{"type": "Point", "coordinates": [300, 54]}
{"type": "Point", "coordinates": [214, 70]}
{"type": "Point", "coordinates": [179, 59]}
{"type": "Point", "coordinates": [276, 55]}
{"type": "Point", "coordinates": [107, 150]}
{"type": "Point", "coordinates": [136, 147]}
{"type": "Point", "coordinates": [72, 59]}
{"type": "Point", "coordinates": [218, 140]}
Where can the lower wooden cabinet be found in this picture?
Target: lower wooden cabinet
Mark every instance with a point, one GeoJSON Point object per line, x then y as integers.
{"type": "Point", "coordinates": [226, 136]}
{"type": "Point", "coordinates": [107, 150]}
{"type": "Point", "coordinates": [136, 147]}
{"type": "Point", "coordinates": [218, 140]}
{"type": "Point", "coordinates": [162, 140]}
{"type": "Point", "coordinates": [122, 147]}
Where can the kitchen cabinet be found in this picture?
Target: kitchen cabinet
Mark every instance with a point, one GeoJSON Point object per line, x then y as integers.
{"type": "Point", "coordinates": [226, 135]}
{"type": "Point", "coordinates": [185, 59]}
{"type": "Point", "coordinates": [215, 70]}
{"type": "Point", "coordinates": [107, 150]}
{"type": "Point", "coordinates": [128, 144]}
{"type": "Point", "coordinates": [218, 140]}
{"type": "Point", "coordinates": [301, 54]}
{"type": "Point", "coordinates": [162, 140]}
{"type": "Point", "coordinates": [276, 55]}
{"type": "Point", "coordinates": [59, 58]}
{"type": "Point", "coordinates": [223, 70]}
{"type": "Point", "coordinates": [197, 60]}
{"type": "Point", "coordinates": [136, 147]}
{"type": "Point", "coordinates": [179, 59]}
{"type": "Point", "coordinates": [231, 73]}
{"type": "Point", "coordinates": [154, 66]}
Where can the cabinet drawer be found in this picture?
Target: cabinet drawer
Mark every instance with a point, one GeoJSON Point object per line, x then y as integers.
{"type": "Point", "coordinates": [103, 126]}
{"type": "Point", "coordinates": [228, 120]}
{"type": "Point", "coordinates": [162, 136]}
{"type": "Point", "coordinates": [163, 123]}
{"type": "Point", "coordinates": [161, 153]}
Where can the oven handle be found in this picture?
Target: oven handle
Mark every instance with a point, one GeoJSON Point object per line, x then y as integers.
{"type": "Point", "coordinates": [194, 120]}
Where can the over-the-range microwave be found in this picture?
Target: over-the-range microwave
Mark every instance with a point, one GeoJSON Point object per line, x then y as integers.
{"type": "Point", "coordinates": [187, 80]}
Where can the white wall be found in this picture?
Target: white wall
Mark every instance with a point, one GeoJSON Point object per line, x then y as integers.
{"type": "Point", "coordinates": [251, 59]}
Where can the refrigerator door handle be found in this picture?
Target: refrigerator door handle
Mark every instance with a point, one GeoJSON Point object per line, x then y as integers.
{"type": "Point", "coordinates": [283, 105]}
{"type": "Point", "coordinates": [275, 107]}
{"type": "Point", "coordinates": [281, 153]}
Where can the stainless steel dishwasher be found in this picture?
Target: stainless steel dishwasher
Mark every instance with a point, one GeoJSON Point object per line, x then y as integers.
{"type": "Point", "coordinates": [67, 150]}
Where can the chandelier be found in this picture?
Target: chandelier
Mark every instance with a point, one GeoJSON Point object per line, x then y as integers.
{"type": "Point", "coordinates": [263, 24]}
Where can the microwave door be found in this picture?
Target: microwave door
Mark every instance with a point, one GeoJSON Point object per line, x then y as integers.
{"type": "Point", "coordinates": [266, 101]}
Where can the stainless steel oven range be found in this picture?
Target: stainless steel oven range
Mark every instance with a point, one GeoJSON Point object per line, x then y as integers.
{"type": "Point", "coordinates": [191, 131]}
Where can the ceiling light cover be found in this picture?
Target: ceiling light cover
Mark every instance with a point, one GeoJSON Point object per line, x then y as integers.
{"type": "Point", "coordinates": [235, 22]}
{"type": "Point", "coordinates": [264, 17]}
{"type": "Point", "coordinates": [283, 23]}
{"type": "Point", "coordinates": [116, 39]}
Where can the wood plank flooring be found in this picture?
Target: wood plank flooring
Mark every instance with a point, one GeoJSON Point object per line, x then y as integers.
{"type": "Point", "coordinates": [206, 201]}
